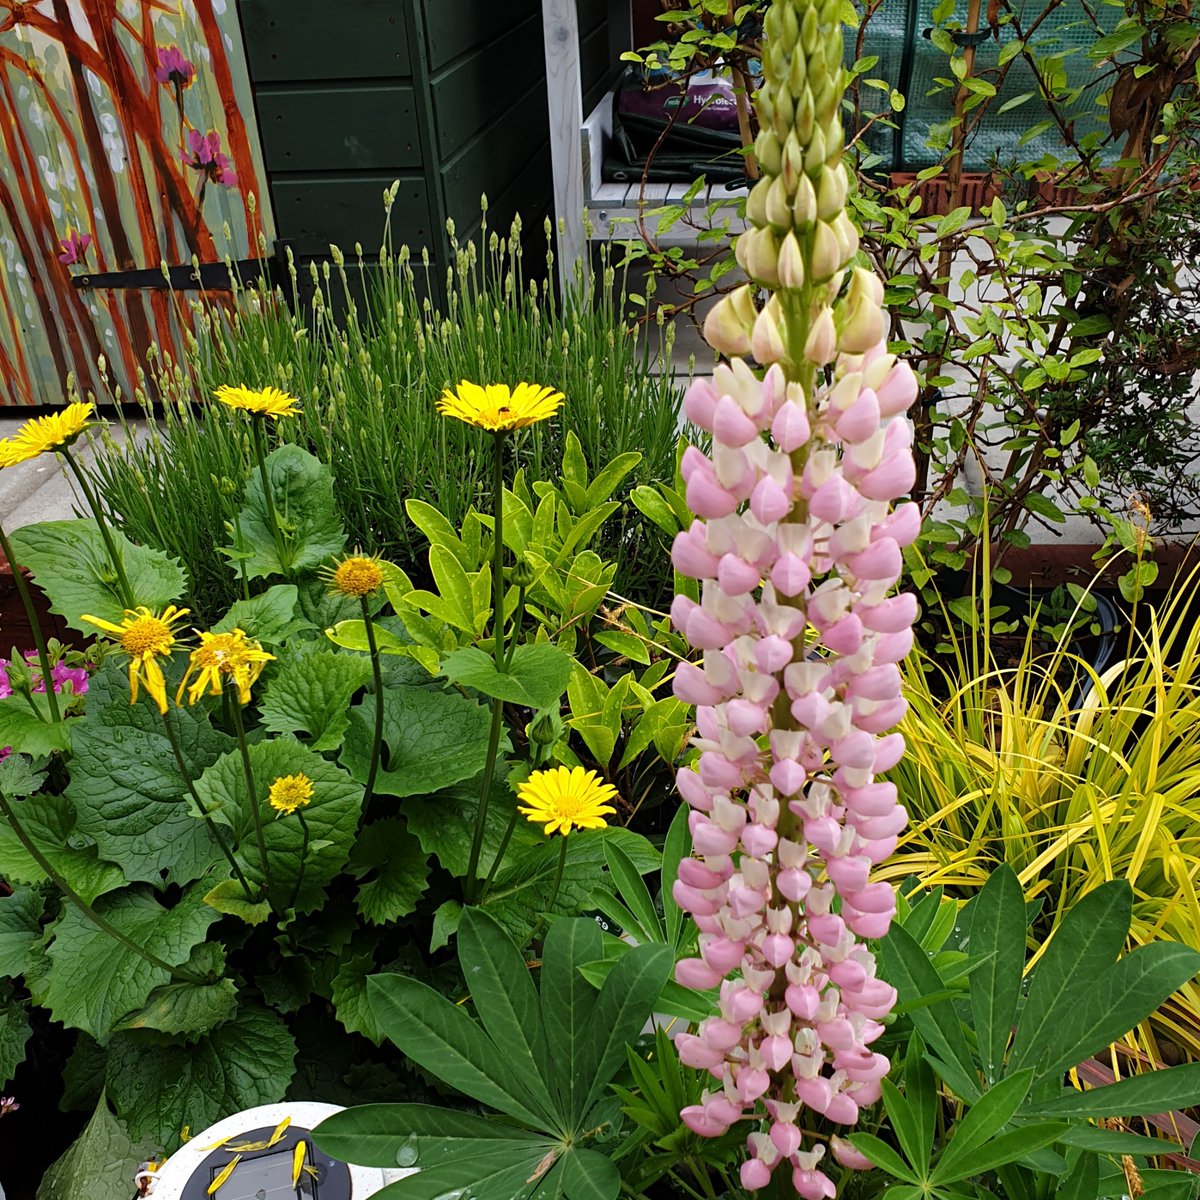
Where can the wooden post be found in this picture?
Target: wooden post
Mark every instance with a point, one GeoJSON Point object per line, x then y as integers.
{"type": "Point", "coordinates": [564, 91]}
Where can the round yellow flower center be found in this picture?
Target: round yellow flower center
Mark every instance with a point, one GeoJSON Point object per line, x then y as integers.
{"type": "Point", "coordinates": [147, 635]}
{"type": "Point", "coordinates": [358, 576]}
{"type": "Point", "coordinates": [290, 792]}
{"type": "Point", "coordinates": [223, 652]}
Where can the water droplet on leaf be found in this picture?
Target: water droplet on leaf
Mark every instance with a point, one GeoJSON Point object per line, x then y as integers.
{"type": "Point", "coordinates": [408, 1153]}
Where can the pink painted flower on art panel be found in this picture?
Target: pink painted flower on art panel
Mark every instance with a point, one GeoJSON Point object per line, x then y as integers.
{"type": "Point", "coordinates": [174, 70]}
{"type": "Point", "coordinates": [74, 247]}
{"type": "Point", "coordinates": [205, 155]}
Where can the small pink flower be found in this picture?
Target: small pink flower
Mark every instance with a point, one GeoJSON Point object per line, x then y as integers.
{"type": "Point", "coordinates": [173, 69]}
{"type": "Point", "coordinates": [207, 158]}
{"type": "Point", "coordinates": [74, 247]}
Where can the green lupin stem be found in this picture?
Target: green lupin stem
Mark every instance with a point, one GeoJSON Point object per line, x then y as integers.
{"type": "Point", "coordinates": [377, 676]}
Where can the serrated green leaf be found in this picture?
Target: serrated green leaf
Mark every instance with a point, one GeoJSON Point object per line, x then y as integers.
{"type": "Point", "coordinates": [94, 980]}
{"type": "Point", "coordinates": [536, 677]}
{"type": "Point", "coordinates": [349, 995]}
{"type": "Point", "coordinates": [392, 869]}
{"type": "Point", "coordinates": [70, 564]}
{"type": "Point", "coordinates": [332, 819]}
{"type": "Point", "coordinates": [310, 694]}
{"type": "Point", "coordinates": [14, 1033]}
{"type": "Point", "coordinates": [102, 1161]}
{"type": "Point", "coordinates": [185, 1008]}
{"type": "Point", "coordinates": [159, 1087]}
{"type": "Point", "coordinates": [27, 733]}
{"type": "Point", "coordinates": [230, 897]}
{"type": "Point", "coordinates": [302, 490]}
{"type": "Point", "coordinates": [130, 796]}
{"type": "Point", "coordinates": [270, 617]}
{"type": "Point", "coordinates": [433, 740]}
{"type": "Point", "coordinates": [20, 929]}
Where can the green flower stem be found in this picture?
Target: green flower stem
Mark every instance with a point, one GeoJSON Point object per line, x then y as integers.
{"type": "Point", "coordinates": [240, 729]}
{"type": "Point", "coordinates": [237, 533]}
{"type": "Point", "coordinates": [303, 855]}
{"type": "Point", "coordinates": [377, 675]}
{"type": "Point", "coordinates": [518, 617]}
{"type": "Point", "coordinates": [558, 874]}
{"type": "Point", "coordinates": [487, 883]}
{"type": "Point", "coordinates": [205, 812]}
{"type": "Point", "coordinates": [260, 454]}
{"type": "Point", "coordinates": [88, 911]}
{"type": "Point", "coordinates": [35, 625]}
{"type": "Point", "coordinates": [489, 768]}
{"type": "Point", "coordinates": [118, 563]}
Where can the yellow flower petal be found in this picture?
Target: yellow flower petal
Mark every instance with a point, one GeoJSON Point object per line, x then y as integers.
{"type": "Point", "coordinates": [223, 1177]}
{"type": "Point", "coordinates": [498, 408]}
{"type": "Point", "coordinates": [55, 431]}
{"type": "Point", "coordinates": [264, 402]}
{"type": "Point", "coordinates": [561, 799]}
{"type": "Point", "coordinates": [298, 1161]}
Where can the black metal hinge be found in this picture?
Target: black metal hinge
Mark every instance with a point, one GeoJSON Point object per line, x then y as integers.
{"type": "Point", "coordinates": [205, 277]}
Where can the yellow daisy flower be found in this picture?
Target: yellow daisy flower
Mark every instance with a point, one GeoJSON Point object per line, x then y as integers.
{"type": "Point", "coordinates": [221, 655]}
{"type": "Point", "coordinates": [263, 402]}
{"type": "Point", "coordinates": [566, 798]}
{"type": "Point", "coordinates": [356, 575]}
{"type": "Point", "coordinates": [55, 431]}
{"type": "Point", "coordinates": [290, 792]}
{"type": "Point", "coordinates": [497, 407]}
{"type": "Point", "coordinates": [145, 637]}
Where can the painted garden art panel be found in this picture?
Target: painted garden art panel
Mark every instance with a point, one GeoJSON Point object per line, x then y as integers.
{"type": "Point", "coordinates": [127, 141]}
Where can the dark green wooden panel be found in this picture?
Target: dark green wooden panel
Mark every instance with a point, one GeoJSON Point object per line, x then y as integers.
{"type": "Point", "coordinates": [591, 13]}
{"type": "Point", "coordinates": [453, 27]}
{"type": "Point", "coordinates": [325, 39]}
{"type": "Point", "coordinates": [344, 209]}
{"type": "Point", "coordinates": [356, 128]}
{"type": "Point", "coordinates": [480, 85]}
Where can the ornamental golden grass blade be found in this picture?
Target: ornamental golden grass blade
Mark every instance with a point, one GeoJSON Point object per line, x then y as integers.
{"type": "Point", "coordinates": [1005, 764]}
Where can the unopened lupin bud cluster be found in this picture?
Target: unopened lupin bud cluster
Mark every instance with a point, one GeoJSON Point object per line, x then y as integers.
{"type": "Point", "coordinates": [798, 548]}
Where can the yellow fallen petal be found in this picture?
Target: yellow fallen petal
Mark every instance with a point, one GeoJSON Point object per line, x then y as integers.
{"type": "Point", "coordinates": [224, 1175]}
{"type": "Point", "coordinates": [279, 1131]}
{"type": "Point", "coordinates": [217, 1145]}
{"type": "Point", "coordinates": [298, 1161]}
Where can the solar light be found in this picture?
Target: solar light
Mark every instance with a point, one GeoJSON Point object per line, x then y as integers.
{"type": "Point", "coordinates": [264, 1153]}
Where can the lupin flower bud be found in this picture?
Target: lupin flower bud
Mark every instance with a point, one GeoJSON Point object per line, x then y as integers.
{"type": "Point", "coordinates": [796, 685]}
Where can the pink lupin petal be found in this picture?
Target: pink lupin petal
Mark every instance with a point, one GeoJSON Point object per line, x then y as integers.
{"type": "Point", "coordinates": [696, 1052]}
{"type": "Point", "coordinates": [810, 710]}
{"type": "Point", "coordinates": [690, 556]}
{"type": "Point", "coordinates": [823, 832]}
{"type": "Point", "coordinates": [883, 826]}
{"type": "Point", "coordinates": [721, 1110]}
{"type": "Point", "coordinates": [695, 901]}
{"type": "Point", "coordinates": [827, 928]}
{"type": "Point", "coordinates": [736, 576]}
{"type": "Point", "coordinates": [813, 1185]}
{"type": "Point", "coordinates": [705, 632]}
{"type": "Point", "coordinates": [777, 949]}
{"type": "Point", "coordinates": [835, 501]}
{"type": "Point", "coordinates": [754, 1174]}
{"type": "Point", "coordinates": [722, 954]}
{"type": "Point", "coordinates": [816, 1092]}
{"type": "Point", "coordinates": [871, 800]}
{"type": "Point", "coordinates": [741, 1003]}
{"type": "Point", "coordinates": [893, 477]}
{"type": "Point", "coordinates": [769, 502]}
{"type": "Point", "coordinates": [745, 718]}
{"type": "Point", "coordinates": [803, 999]}
{"type": "Point", "coordinates": [691, 787]}
{"type": "Point", "coordinates": [844, 636]}
{"type": "Point", "coordinates": [898, 390]}
{"type": "Point", "coordinates": [794, 883]}
{"type": "Point", "coordinates": [773, 653]}
{"type": "Point", "coordinates": [877, 683]}
{"type": "Point", "coordinates": [848, 874]}
{"type": "Point", "coordinates": [776, 1052]}
{"type": "Point", "coordinates": [787, 1138]}
{"type": "Point", "coordinates": [731, 425]}
{"type": "Point", "coordinates": [903, 525]}
{"type": "Point", "coordinates": [700, 875]}
{"type": "Point", "coordinates": [759, 840]}
{"type": "Point", "coordinates": [880, 560]}
{"type": "Point", "coordinates": [856, 749]}
{"type": "Point", "coordinates": [893, 615]}
{"type": "Point", "coordinates": [847, 1156]}
{"type": "Point", "coordinates": [693, 1116]}
{"type": "Point", "coordinates": [751, 1083]}
{"type": "Point", "coordinates": [888, 752]}
{"type": "Point", "coordinates": [849, 974]}
{"type": "Point", "coordinates": [874, 999]}
{"type": "Point", "coordinates": [710, 838]}
{"type": "Point", "coordinates": [842, 1110]}
{"type": "Point", "coordinates": [867, 925]}
{"type": "Point", "coordinates": [699, 403]}
{"type": "Point", "coordinates": [860, 420]}
{"type": "Point", "coordinates": [718, 772]}
{"type": "Point", "coordinates": [790, 429]}
{"type": "Point", "coordinates": [695, 973]}
{"type": "Point", "coordinates": [745, 902]}
{"type": "Point", "coordinates": [884, 717]}
{"type": "Point", "coordinates": [837, 1034]}
{"type": "Point", "coordinates": [691, 686]}
{"type": "Point", "coordinates": [893, 647]}
{"type": "Point", "coordinates": [682, 607]}
{"type": "Point", "coordinates": [879, 849]}
{"type": "Point", "coordinates": [790, 574]}
{"type": "Point", "coordinates": [707, 498]}
{"type": "Point", "coordinates": [788, 776]}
